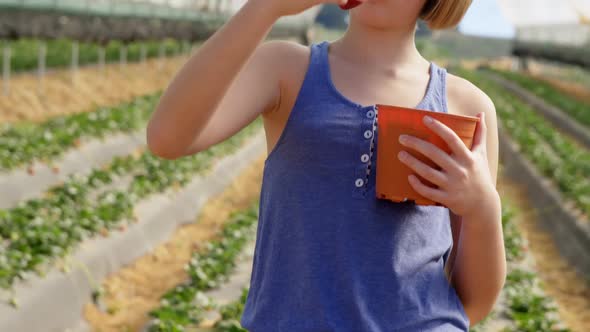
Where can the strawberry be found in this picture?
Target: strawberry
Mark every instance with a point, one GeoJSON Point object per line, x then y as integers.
{"type": "Point", "coordinates": [350, 4]}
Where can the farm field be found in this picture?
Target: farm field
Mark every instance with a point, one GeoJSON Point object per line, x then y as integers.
{"type": "Point", "coordinates": [129, 241]}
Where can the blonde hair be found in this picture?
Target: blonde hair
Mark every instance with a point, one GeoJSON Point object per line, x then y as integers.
{"type": "Point", "coordinates": [444, 14]}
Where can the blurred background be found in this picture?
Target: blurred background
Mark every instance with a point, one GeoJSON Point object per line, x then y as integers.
{"type": "Point", "coordinates": [98, 234]}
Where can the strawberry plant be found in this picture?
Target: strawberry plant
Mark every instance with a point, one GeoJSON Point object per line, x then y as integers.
{"type": "Point", "coordinates": [530, 310]}
{"type": "Point", "coordinates": [23, 143]}
{"type": "Point", "coordinates": [184, 305]}
{"type": "Point", "coordinates": [231, 314]}
{"type": "Point", "coordinates": [39, 230]}
{"type": "Point", "coordinates": [577, 109]}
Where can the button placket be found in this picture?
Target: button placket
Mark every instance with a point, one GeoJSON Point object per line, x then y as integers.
{"type": "Point", "coordinates": [364, 169]}
{"type": "Point", "coordinates": [372, 147]}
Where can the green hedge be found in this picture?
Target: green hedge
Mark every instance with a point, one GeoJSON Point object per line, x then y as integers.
{"type": "Point", "coordinates": [24, 54]}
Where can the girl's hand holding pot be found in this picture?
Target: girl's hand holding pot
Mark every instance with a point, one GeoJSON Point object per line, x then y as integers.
{"type": "Point", "coordinates": [464, 181]}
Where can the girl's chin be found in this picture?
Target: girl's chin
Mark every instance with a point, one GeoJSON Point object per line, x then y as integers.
{"type": "Point", "coordinates": [380, 8]}
{"type": "Point", "coordinates": [376, 19]}
{"type": "Point", "coordinates": [377, 12]}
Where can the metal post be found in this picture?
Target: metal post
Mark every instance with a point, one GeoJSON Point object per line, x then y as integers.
{"type": "Point", "coordinates": [142, 53]}
{"type": "Point", "coordinates": [162, 54]}
{"type": "Point", "coordinates": [123, 56]}
{"type": "Point", "coordinates": [6, 68]}
{"type": "Point", "coordinates": [101, 58]}
{"type": "Point", "coordinates": [523, 64]}
{"type": "Point", "coordinates": [42, 52]}
{"type": "Point", "coordinates": [188, 49]}
{"type": "Point", "coordinates": [75, 53]}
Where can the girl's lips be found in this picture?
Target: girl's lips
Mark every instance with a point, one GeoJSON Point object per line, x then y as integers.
{"type": "Point", "coordinates": [350, 4]}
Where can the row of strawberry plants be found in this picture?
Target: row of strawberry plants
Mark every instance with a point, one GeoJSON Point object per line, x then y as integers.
{"type": "Point", "coordinates": [561, 145]}
{"type": "Point", "coordinates": [23, 143]}
{"type": "Point", "coordinates": [577, 109]}
{"type": "Point", "coordinates": [185, 305]}
{"type": "Point", "coordinates": [37, 231]}
{"type": "Point", "coordinates": [556, 156]}
{"type": "Point", "coordinates": [24, 52]}
{"type": "Point", "coordinates": [529, 309]}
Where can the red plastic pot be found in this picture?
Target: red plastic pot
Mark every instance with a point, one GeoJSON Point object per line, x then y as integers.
{"type": "Point", "coordinates": [392, 175]}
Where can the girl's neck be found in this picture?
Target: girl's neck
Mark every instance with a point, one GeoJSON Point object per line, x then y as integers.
{"type": "Point", "coordinates": [387, 50]}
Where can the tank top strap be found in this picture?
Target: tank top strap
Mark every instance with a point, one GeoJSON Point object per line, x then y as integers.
{"type": "Point", "coordinates": [438, 87]}
{"type": "Point", "coordinates": [319, 62]}
{"type": "Point", "coordinates": [321, 67]}
{"type": "Point", "coordinates": [314, 87]}
{"type": "Point", "coordinates": [316, 56]}
{"type": "Point", "coordinates": [323, 61]}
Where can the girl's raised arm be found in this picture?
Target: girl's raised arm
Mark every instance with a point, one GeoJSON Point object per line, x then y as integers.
{"type": "Point", "coordinates": [226, 84]}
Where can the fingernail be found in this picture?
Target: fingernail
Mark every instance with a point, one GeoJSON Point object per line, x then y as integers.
{"type": "Point", "coordinates": [402, 155]}
{"type": "Point", "coordinates": [403, 138]}
{"type": "Point", "coordinates": [427, 119]}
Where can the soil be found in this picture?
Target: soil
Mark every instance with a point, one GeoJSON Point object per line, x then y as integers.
{"type": "Point", "coordinates": [28, 100]}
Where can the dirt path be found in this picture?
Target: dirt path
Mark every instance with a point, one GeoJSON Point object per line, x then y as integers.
{"type": "Point", "coordinates": [132, 292]}
{"type": "Point", "coordinates": [560, 280]}
{"type": "Point", "coordinates": [93, 88]}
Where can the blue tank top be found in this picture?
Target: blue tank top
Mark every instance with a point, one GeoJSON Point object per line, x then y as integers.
{"type": "Point", "coordinates": [329, 255]}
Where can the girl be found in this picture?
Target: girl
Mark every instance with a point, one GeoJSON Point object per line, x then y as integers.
{"type": "Point", "coordinates": [329, 256]}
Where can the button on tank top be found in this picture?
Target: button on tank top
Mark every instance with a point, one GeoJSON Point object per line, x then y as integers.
{"type": "Point", "coordinates": [329, 255]}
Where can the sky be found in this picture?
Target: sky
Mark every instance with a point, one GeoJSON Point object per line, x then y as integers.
{"type": "Point", "coordinates": [485, 18]}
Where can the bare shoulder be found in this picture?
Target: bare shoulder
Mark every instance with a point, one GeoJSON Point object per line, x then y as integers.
{"type": "Point", "coordinates": [279, 47]}
{"type": "Point", "coordinates": [466, 98]}
{"type": "Point", "coordinates": [289, 60]}
{"type": "Point", "coordinates": [284, 56]}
